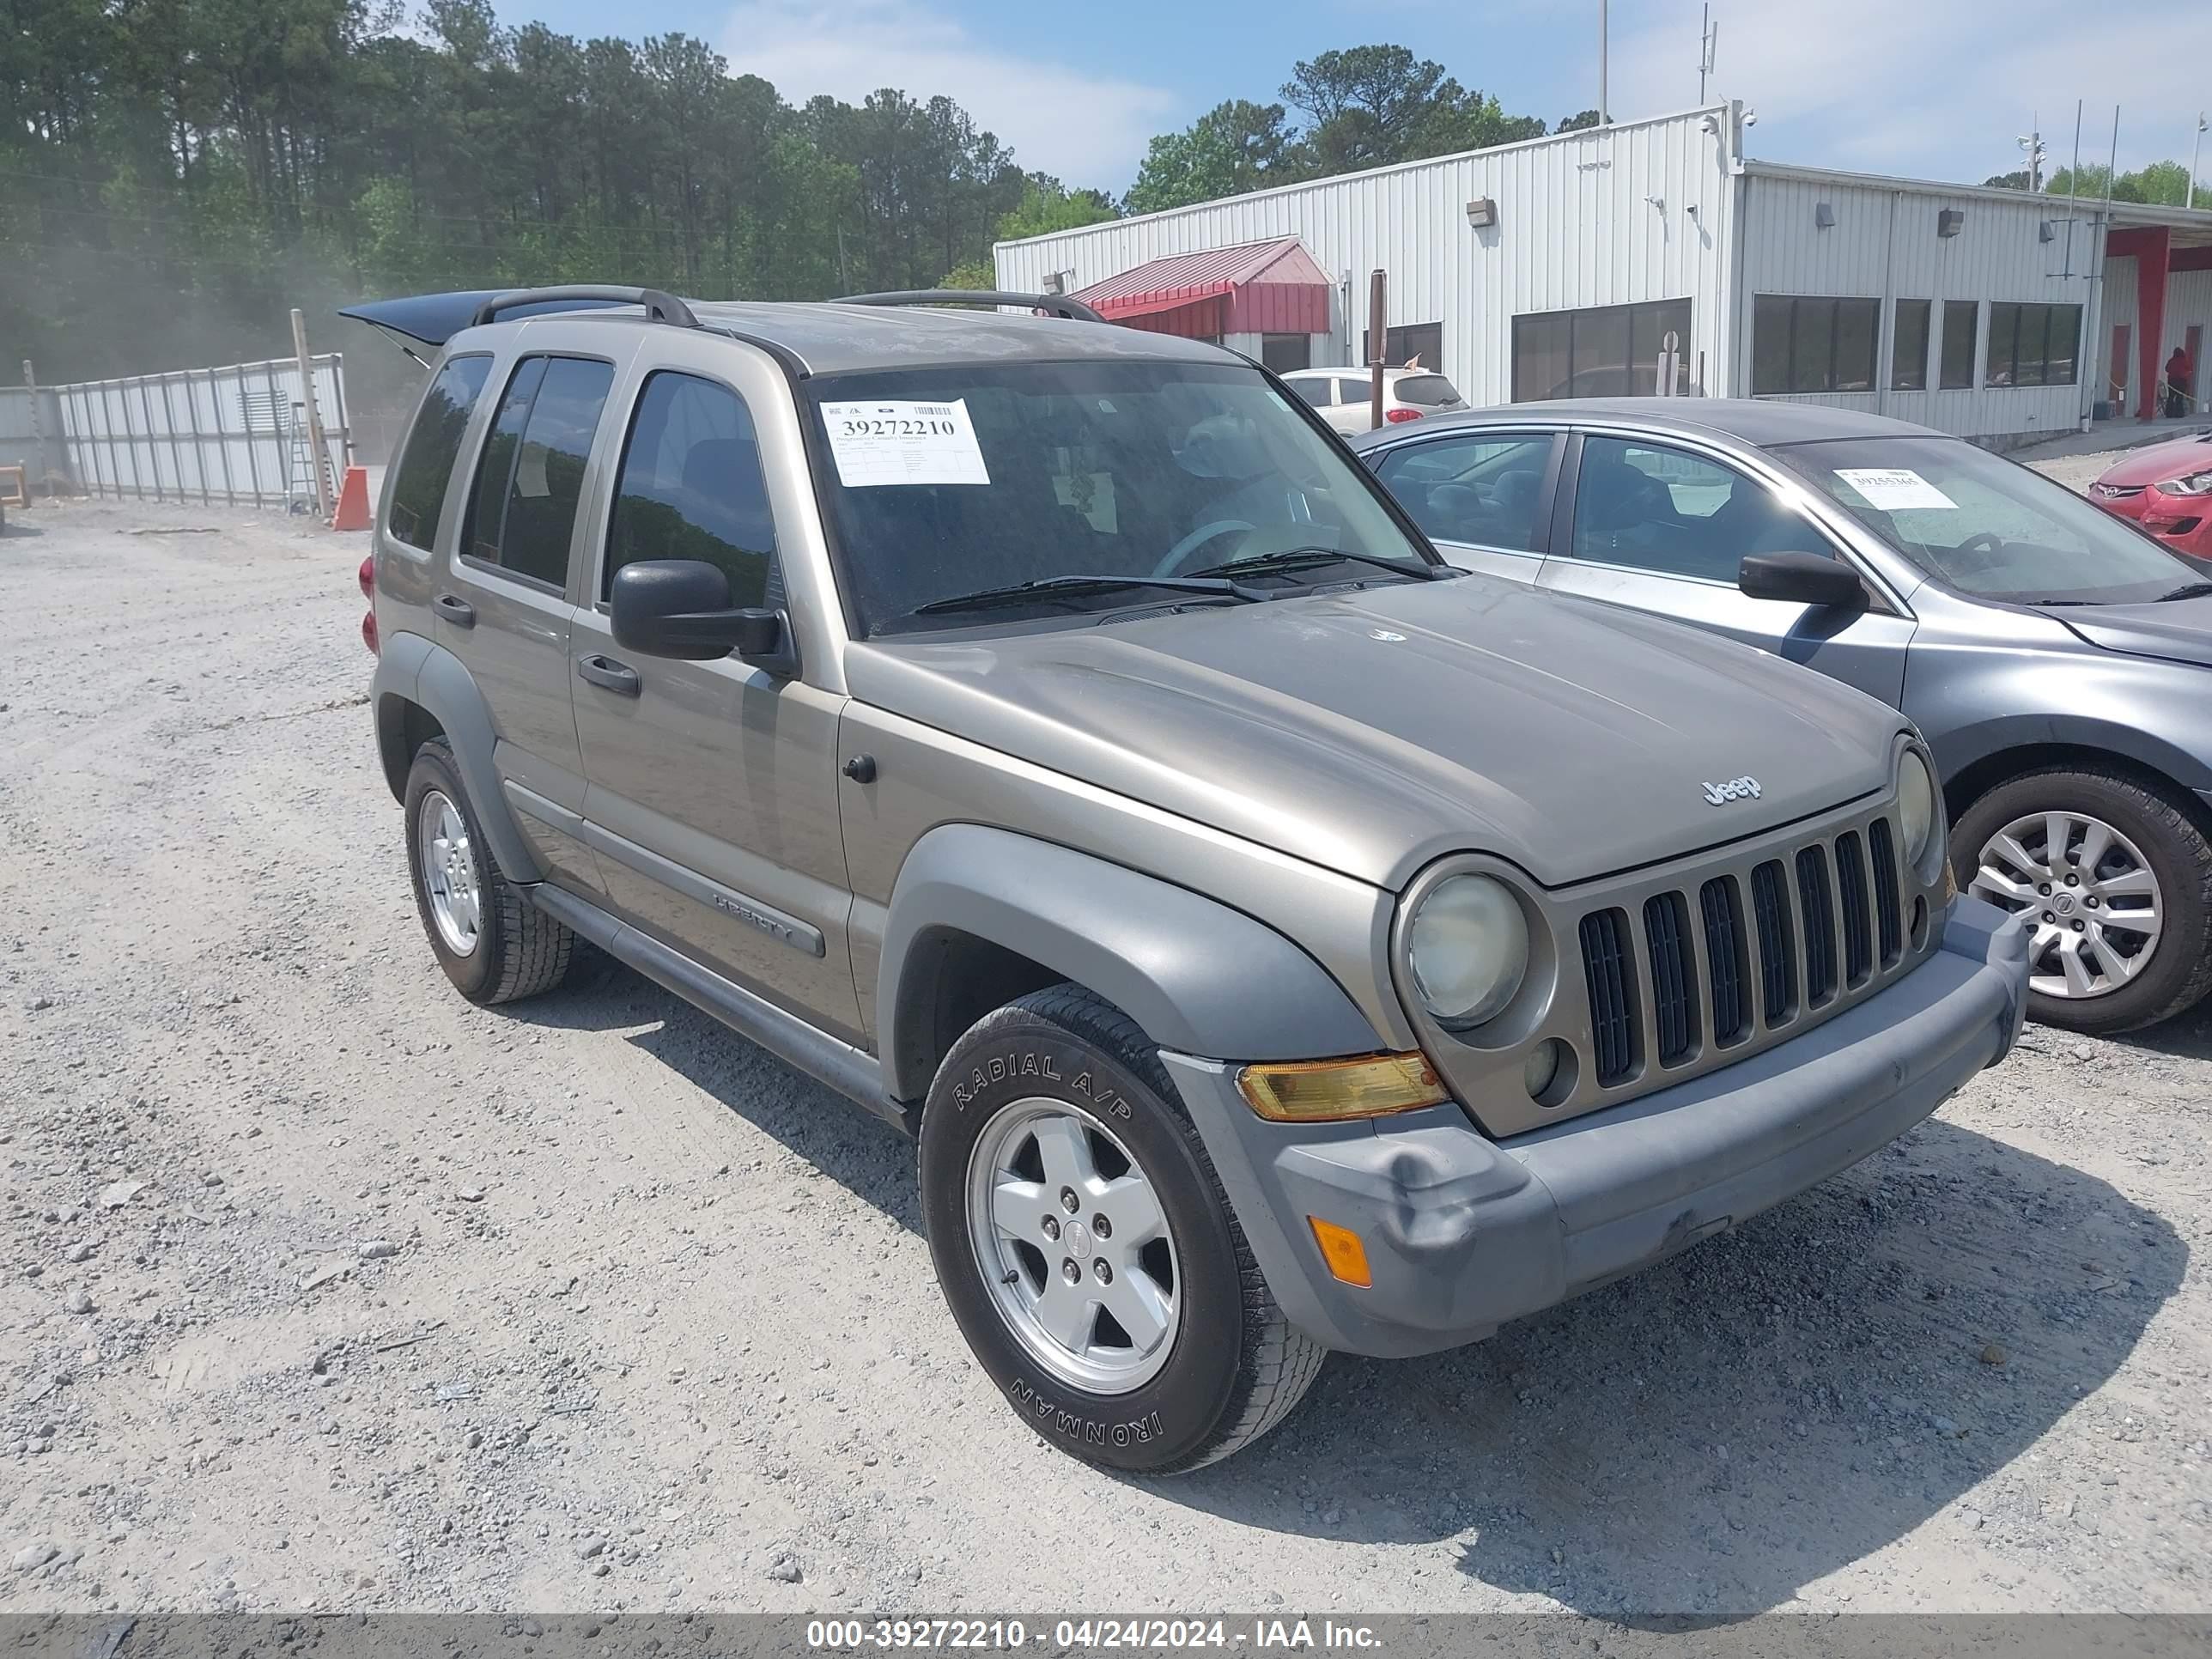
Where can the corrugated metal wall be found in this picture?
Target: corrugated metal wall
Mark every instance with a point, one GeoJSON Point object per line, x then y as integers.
{"type": "Point", "coordinates": [1593, 218]}
{"type": "Point", "coordinates": [1997, 254]}
{"type": "Point", "coordinates": [205, 434]}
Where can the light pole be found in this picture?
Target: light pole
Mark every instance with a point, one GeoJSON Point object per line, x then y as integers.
{"type": "Point", "coordinates": [2195, 144]}
{"type": "Point", "coordinates": [1604, 116]}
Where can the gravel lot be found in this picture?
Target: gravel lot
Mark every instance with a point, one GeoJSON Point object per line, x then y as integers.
{"type": "Point", "coordinates": [320, 1288]}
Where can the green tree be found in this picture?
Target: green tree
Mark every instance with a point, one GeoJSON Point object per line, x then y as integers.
{"type": "Point", "coordinates": [1234, 148]}
{"type": "Point", "coordinates": [1372, 105]}
{"type": "Point", "coordinates": [1577, 121]}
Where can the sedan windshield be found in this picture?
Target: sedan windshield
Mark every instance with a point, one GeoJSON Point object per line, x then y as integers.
{"type": "Point", "coordinates": [999, 482]}
{"type": "Point", "coordinates": [1986, 525]}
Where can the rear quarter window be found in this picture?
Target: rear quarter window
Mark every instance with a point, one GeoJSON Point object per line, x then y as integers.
{"type": "Point", "coordinates": [418, 489]}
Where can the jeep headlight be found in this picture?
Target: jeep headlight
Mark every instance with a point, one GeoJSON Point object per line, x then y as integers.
{"type": "Point", "coordinates": [1467, 945]}
{"type": "Point", "coordinates": [1916, 806]}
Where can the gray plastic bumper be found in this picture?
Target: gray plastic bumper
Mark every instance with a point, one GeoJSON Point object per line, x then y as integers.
{"type": "Point", "coordinates": [1463, 1232]}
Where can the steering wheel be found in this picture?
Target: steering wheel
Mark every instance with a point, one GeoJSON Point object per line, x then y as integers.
{"type": "Point", "coordinates": [1179, 554]}
{"type": "Point", "coordinates": [1986, 548]}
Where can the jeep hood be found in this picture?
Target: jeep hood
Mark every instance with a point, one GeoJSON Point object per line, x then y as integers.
{"type": "Point", "coordinates": [1371, 730]}
{"type": "Point", "coordinates": [2175, 630]}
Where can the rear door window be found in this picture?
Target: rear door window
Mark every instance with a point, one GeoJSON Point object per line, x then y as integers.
{"type": "Point", "coordinates": [426, 465]}
{"type": "Point", "coordinates": [691, 486]}
{"type": "Point", "coordinates": [522, 514]}
{"type": "Point", "coordinates": [1485, 491]}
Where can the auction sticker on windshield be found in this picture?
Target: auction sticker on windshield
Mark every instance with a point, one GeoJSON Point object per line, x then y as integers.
{"type": "Point", "coordinates": [1893, 488]}
{"type": "Point", "coordinates": [904, 443]}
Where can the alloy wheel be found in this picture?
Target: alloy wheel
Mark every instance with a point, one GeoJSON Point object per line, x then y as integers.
{"type": "Point", "coordinates": [449, 873]}
{"type": "Point", "coordinates": [1069, 1235]}
{"type": "Point", "coordinates": [2092, 897]}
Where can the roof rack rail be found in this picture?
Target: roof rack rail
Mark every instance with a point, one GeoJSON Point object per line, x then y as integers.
{"type": "Point", "coordinates": [659, 307]}
{"type": "Point", "coordinates": [1058, 304]}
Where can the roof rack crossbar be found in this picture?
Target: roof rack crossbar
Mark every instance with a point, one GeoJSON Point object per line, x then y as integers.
{"type": "Point", "coordinates": [1059, 305]}
{"type": "Point", "coordinates": [659, 307]}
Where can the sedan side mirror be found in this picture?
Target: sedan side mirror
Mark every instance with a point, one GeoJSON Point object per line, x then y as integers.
{"type": "Point", "coordinates": [681, 608]}
{"type": "Point", "coordinates": [1800, 579]}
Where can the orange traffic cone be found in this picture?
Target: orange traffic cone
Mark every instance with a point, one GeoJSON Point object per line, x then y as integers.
{"type": "Point", "coordinates": [353, 501]}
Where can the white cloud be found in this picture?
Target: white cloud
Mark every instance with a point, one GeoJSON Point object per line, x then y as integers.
{"type": "Point", "coordinates": [1087, 129]}
{"type": "Point", "coordinates": [1938, 86]}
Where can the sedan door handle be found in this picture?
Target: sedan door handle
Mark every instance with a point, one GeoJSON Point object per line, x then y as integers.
{"type": "Point", "coordinates": [455, 609]}
{"type": "Point", "coordinates": [614, 676]}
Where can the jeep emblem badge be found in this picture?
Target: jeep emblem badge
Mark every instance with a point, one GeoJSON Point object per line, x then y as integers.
{"type": "Point", "coordinates": [1718, 794]}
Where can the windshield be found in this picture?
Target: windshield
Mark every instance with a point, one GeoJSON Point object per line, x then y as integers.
{"type": "Point", "coordinates": [1986, 525]}
{"type": "Point", "coordinates": [969, 479]}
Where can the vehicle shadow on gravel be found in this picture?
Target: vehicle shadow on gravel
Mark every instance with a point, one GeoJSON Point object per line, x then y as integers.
{"type": "Point", "coordinates": [852, 1147]}
{"type": "Point", "coordinates": [1712, 1435]}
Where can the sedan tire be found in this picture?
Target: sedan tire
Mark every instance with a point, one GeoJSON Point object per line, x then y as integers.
{"type": "Point", "coordinates": [2115, 881]}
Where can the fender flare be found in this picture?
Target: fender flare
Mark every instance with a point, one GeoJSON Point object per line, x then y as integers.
{"type": "Point", "coordinates": [1199, 976]}
{"type": "Point", "coordinates": [1960, 749]}
{"type": "Point", "coordinates": [412, 668]}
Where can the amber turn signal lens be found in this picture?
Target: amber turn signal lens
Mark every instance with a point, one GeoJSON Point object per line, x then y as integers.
{"type": "Point", "coordinates": [1320, 1091]}
{"type": "Point", "coordinates": [1340, 1248]}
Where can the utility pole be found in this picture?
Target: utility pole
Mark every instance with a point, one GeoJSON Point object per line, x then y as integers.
{"type": "Point", "coordinates": [1604, 114]}
{"type": "Point", "coordinates": [2031, 143]}
{"type": "Point", "coordinates": [45, 479]}
{"type": "Point", "coordinates": [1378, 343]}
{"type": "Point", "coordinates": [2195, 145]}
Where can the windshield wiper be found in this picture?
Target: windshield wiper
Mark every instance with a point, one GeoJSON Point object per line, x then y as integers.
{"type": "Point", "coordinates": [1312, 558]}
{"type": "Point", "coordinates": [1047, 587]}
{"type": "Point", "coordinates": [2187, 591]}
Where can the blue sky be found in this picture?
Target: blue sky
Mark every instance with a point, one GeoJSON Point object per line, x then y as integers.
{"type": "Point", "coordinates": [1937, 89]}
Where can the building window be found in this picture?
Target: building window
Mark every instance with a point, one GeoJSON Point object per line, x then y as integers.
{"type": "Point", "coordinates": [1604, 351]}
{"type": "Point", "coordinates": [2031, 344]}
{"type": "Point", "coordinates": [1960, 319]}
{"type": "Point", "coordinates": [1423, 340]}
{"type": "Point", "coordinates": [1908, 347]}
{"type": "Point", "coordinates": [1284, 352]}
{"type": "Point", "coordinates": [1800, 343]}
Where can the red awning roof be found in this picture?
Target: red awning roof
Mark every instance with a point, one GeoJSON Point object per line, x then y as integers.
{"type": "Point", "coordinates": [1271, 287]}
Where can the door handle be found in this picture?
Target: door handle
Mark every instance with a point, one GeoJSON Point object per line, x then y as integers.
{"type": "Point", "coordinates": [455, 609]}
{"type": "Point", "coordinates": [614, 676]}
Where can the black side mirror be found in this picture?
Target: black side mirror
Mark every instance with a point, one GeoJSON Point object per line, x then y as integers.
{"type": "Point", "coordinates": [1800, 579]}
{"type": "Point", "coordinates": [681, 608]}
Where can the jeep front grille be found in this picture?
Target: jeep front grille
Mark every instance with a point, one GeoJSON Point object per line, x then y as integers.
{"type": "Point", "coordinates": [1778, 942]}
{"type": "Point", "coordinates": [1729, 970]}
{"type": "Point", "coordinates": [1613, 1006]}
{"type": "Point", "coordinates": [1673, 976]}
{"type": "Point", "coordinates": [1786, 937]}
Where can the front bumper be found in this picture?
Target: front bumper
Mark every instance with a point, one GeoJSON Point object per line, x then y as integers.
{"type": "Point", "coordinates": [1463, 1232]}
{"type": "Point", "coordinates": [2183, 523]}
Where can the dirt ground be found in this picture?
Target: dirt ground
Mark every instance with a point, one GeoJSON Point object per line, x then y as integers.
{"type": "Point", "coordinates": [320, 1288]}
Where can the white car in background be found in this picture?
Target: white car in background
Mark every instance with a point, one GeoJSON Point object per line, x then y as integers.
{"type": "Point", "coordinates": [1344, 396]}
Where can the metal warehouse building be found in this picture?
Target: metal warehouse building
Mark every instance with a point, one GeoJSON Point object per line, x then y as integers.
{"type": "Point", "coordinates": [1557, 267]}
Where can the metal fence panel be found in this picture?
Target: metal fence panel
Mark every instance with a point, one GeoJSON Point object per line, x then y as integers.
{"type": "Point", "coordinates": [235, 434]}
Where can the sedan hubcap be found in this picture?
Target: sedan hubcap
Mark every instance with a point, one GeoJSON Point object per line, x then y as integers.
{"type": "Point", "coordinates": [449, 873]}
{"type": "Point", "coordinates": [2088, 891]}
{"type": "Point", "coordinates": [1073, 1244]}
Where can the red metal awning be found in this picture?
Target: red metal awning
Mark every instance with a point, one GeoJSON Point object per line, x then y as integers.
{"type": "Point", "coordinates": [1256, 287]}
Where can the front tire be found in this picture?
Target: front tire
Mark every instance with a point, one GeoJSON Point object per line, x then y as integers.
{"type": "Point", "coordinates": [2116, 882]}
{"type": "Point", "coordinates": [494, 944]}
{"type": "Point", "coordinates": [1150, 1344]}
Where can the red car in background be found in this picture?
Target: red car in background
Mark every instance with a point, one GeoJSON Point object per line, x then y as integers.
{"type": "Point", "coordinates": [2167, 488]}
